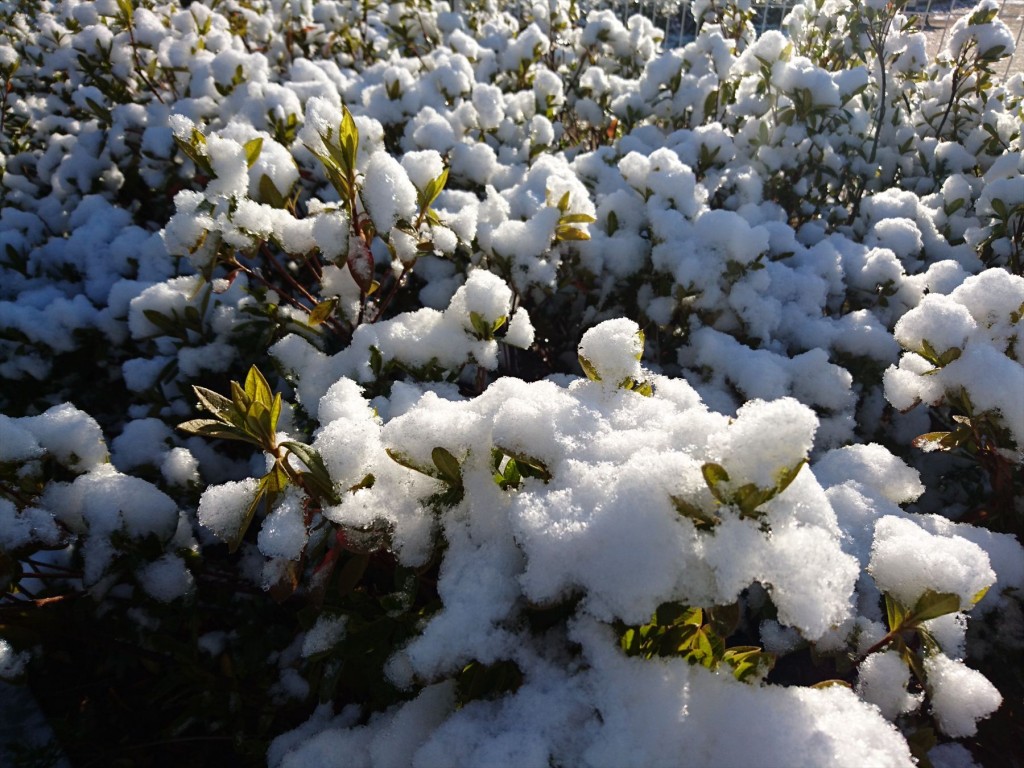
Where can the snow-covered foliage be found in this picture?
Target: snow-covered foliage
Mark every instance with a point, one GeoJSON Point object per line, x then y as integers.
{"type": "Point", "coordinates": [566, 389]}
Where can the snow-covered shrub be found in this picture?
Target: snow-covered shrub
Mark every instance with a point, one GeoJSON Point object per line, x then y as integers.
{"type": "Point", "coordinates": [948, 340]}
{"type": "Point", "coordinates": [556, 389]}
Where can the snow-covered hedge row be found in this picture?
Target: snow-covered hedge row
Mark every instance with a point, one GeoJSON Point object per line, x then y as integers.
{"type": "Point", "coordinates": [580, 390]}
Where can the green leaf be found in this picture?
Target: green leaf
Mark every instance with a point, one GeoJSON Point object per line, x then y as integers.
{"type": "Point", "coordinates": [366, 482]}
{"type": "Point", "coordinates": [405, 461]}
{"type": "Point", "coordinates": [785, 477]}
{"type": "Point", "coordinates": [275, 413]}
{"type": "Point", "coordinates": [322, 311]}
{"type": "Point", "coordinates": [977, 598]}
{"type": "Point", "coordinates": [931, 605]}
{"type": "Point", "coordinates": [349, 136]}
{"type": "Point", "coordinates": [832, 684]}
{"type": "Point", "coordinates": [317, 469]}
{"type": "Point", "coordinates": [928, 352]}
{"type": "Point", "coordinates": [589, 369]}
{"type": "Point", "coordinates": [376, 361]}
{"type": "Point", "coordinates": [576, 218]}
{"type": "Point", "coordinates": [563, 203]}
{"type": "Point", "coordinates": [240, 400]}
{"type": "Point", "coordinates": [447, 465]}
{"type": "Point", "coordinates": [276, 480]}
{"type": "Point", "coordinates": [481, 326]}
{"type": "Point", "coordinates": [528, 466]}
{"type": "Point", "coordinates": [749, 497]}
{"type": "Point", "coordinates": [570, 233]}
{"type": "Point", "coordinates": [747, 661]}
{"type": "Point", "coordinates": [126, 9]}
{"type": "Point", "coordinates": [725, 619]}
{"type": "Point", "coordinates": [216, 404]}
{"type": "Point", "coordinates": [235, 540]}
{"type": "Point", "coordinates": [434, 188]}
{"type": "Point", "coordinates": [252, 149]}
{"type": "Point", "coordinates": [716, 477]}
{"type": "Point", "coordinates": [101, 112]}
{"type": "Point", "coordinates": [257, 388]}
{"type": "Point", "coordinates": [895, 613]}
{"type": "Point", "coordinates": [701, 520]}
{"type": "Point", "coordinates": [200, 160]}
{"type": "Point", "coordinates": [947, 357]}
{"type": "Point", "coordinates": [270, 194]}
{"type": "Point", "coordinates": [162, 322]}
{"type": "Point", "coordinates": [511, 477]}
{"type": "Point", "coordinates": [954, 206]}
{"type": "Point", "coordinates": [218, 429]}
{"type": "Point", "coordinates": [931, 441]}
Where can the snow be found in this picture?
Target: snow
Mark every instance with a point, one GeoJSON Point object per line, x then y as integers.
{"type": "Point", "coordinates": [882, 680]}
{"type": "Point", "coordinates": [72, 436]}
{"type": "Point", "coordinates": [387, 193]}
{"type": "Point", "coordinates": [221, 507]}
{"type": "Point", "coordinates": [325, 634]}
{"type": "Point", "coordinates": [794, 296]}
{"type": "Point", "coordinates": [907, 561]}
{"type": "Point", "coordinates": [613, 350]}
{"type": "Point", "coordinates": [283, 533]}
{"type": "Point", "coordinates": [166, 579]}
{"type": "Point", "coordinates": [960, 695]}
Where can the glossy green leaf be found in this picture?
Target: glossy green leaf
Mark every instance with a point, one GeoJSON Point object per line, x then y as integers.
{"type": "Point", "coordinates": [932, 604]}
{"type": "Point", "coordinates": [447, 465]}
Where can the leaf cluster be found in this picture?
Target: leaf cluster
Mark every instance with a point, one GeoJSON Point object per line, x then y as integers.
{"type": "Point", "coordinates": [699, 636]}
